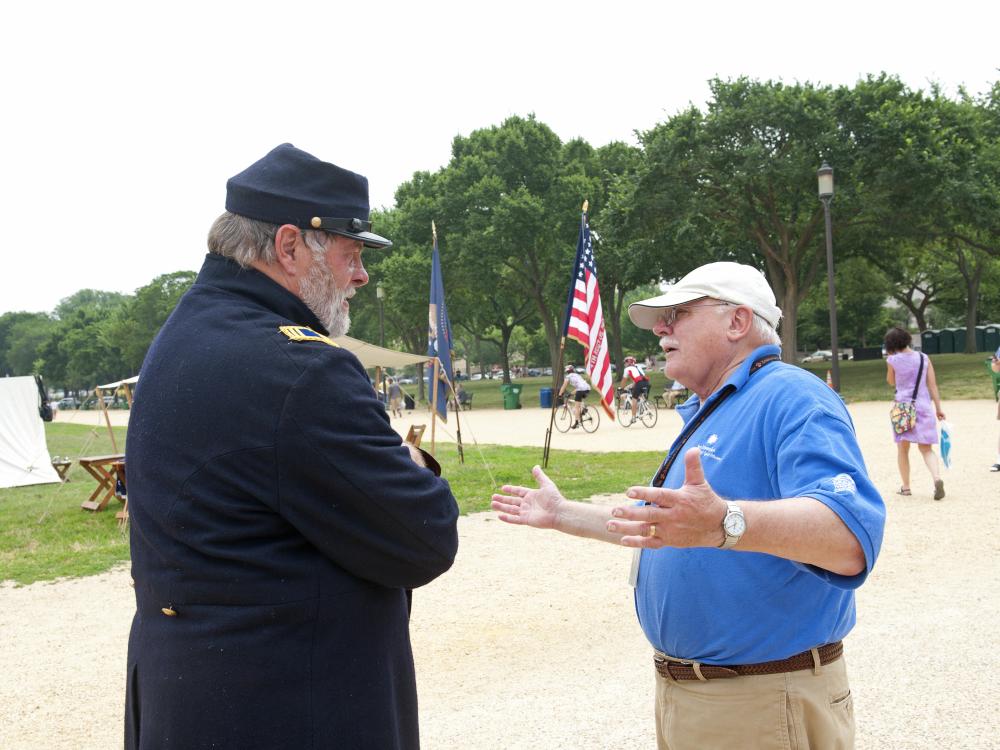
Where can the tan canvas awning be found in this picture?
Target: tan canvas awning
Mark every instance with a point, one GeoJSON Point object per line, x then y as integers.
{"type": "Point", "coordinates": [376, 356]}
{"type": "Point", "coordinates": [119, 383]}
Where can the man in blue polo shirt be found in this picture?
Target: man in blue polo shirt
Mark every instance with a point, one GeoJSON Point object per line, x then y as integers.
{"type": "Point", "coordinates": [752, 536]}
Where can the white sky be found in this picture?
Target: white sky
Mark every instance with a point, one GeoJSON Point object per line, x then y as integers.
{"type": "Point", "coordinates": [122, 122]}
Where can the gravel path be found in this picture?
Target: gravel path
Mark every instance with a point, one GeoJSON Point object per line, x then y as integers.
{"type": "Point", "coordinates": [531, 640]}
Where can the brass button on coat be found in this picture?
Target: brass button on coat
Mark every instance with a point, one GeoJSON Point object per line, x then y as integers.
{"type": "Point", "coordinates": [169, 612]}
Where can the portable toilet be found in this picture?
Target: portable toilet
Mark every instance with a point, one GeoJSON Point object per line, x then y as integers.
{"type": "Point", "coordinates": [959, 340]}
{"type": "Point", "coordinates": [980, 338]}
{"type": "Point", "coordinates": [946, 341]}
{"type": "Point", "coordinates": [929, 343]}
{"type": "Point", "coordinates": [991, 337]}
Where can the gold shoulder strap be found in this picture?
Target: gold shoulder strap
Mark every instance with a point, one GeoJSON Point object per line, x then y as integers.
{"type": "Point", "coordinates": [305, 333]}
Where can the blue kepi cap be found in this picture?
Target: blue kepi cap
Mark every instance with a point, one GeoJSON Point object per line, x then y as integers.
{"type": "Point", "coordinates": [289, 186]}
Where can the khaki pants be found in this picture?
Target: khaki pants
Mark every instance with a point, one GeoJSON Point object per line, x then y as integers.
{"type": "Point", "coordinates": [790, 711]}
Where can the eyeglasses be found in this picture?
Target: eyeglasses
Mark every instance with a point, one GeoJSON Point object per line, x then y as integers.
{"type": "Point", "coordinates": [671, 316]}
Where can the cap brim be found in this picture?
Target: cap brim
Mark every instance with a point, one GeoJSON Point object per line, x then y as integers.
{"type": "Point", "coordinates": [369, 239]}
{"type": "Point", "coordinates": [645, 313]}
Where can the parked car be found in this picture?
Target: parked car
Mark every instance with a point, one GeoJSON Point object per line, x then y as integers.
{"type": "Point", "coordinates": [476, 376]}
{"type": "Point", "coordinates": [68, 403]}
{"type": "Point", "coordinates": [407, 381]}
{"type": "Point", "coordinates": [533, 373]}
{"type": "Point", "coordinates": [820, 355]}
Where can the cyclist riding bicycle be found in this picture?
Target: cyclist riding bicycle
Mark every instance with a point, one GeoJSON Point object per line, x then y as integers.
{"type": "Point", "coordinates": [637, 381]}
{"type": "Point", "coordinates": [580, 391]}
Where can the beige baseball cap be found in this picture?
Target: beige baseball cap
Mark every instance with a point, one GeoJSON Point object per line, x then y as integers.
{"type": "Point", "coordinates": [725, 281]}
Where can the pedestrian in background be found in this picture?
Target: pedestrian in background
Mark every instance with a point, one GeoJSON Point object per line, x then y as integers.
{"type": "Point", "coordinates": [904, 368]}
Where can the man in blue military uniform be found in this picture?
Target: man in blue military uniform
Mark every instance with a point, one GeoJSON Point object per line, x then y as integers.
{"type": "Point", "coordinates": [278, 522]}
{"type": "Point", "coordinates": [754, 533]}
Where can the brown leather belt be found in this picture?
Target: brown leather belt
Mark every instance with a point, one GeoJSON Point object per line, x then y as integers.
{"type": "Point", "coordinates": [682, 670]}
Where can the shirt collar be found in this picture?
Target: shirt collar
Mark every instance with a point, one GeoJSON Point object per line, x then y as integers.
{"type": "Point", "coordinates": [738, 379]}
{"type": "Point", "coordinates": [229, 276]}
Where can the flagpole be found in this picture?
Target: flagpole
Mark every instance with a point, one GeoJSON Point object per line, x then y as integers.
{"type": "Point", "coordinates": [562, 343]}
{"type": "Point", "coordinates": [458, 425]}
{"type": "Point", "coordinates": [552, 410]}
{"type": "Point", "coordinates": [434, 398]}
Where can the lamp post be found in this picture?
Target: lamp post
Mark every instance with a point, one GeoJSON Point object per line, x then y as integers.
{"type": "Point", "coordinates": [380, 293]}
{"type": "Point", "coordinates": [825, 177]}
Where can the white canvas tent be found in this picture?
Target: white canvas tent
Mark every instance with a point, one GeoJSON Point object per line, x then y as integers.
{"type": "Point", "coordinates": [24, 455]}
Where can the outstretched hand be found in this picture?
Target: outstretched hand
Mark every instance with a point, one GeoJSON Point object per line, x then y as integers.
{"type": "Point", "coordinates": [690, 516]}
{"type": "Point", "coordinates": [529, 507]}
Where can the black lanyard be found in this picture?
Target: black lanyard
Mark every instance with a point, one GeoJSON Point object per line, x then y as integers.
{"type": "Point", "coordinates": [691, 427]}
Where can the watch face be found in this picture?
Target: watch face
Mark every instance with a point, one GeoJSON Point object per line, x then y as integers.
{"type": "Point", "coordinates": [735, 524]}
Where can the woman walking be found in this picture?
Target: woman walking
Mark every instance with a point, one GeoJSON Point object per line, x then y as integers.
{"type": "Point", "coordinates": [905, 367]}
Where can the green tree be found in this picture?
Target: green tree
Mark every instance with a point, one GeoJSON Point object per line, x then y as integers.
{"type": "Point", "coordinates": [7, 323]}
{"type": "Point", "coordinates": [508, 200]}
{"type": "Point", "coordinates": [82, 351]}
{"type": "Point", "coordinates": [25, 341]}
{"type": "Point", "coordinates": [134, 324]}
{"type": "Point", "coordinates": [92, 300]}
{"type": "Point", "coordinates": [741, 179]}
{"type": "Point", "coordinates": [862, 318]}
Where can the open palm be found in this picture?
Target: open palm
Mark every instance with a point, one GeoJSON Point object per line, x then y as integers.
{"type": "Point", "coordinates": [529, 507]}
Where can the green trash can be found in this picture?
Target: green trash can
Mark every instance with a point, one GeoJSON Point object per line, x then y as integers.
{"type": "Point", "coordinates": [511, 395]}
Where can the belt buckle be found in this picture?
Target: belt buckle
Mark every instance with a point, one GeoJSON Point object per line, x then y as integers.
{"type": "Point", "coordinates": [662, 659]}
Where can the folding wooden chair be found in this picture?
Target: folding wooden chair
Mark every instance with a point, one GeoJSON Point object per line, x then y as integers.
{"type": "Point", "coordinates": [415, 433]}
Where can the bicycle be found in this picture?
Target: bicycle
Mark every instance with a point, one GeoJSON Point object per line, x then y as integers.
{"type": "Point", "coordinates": [646, 411]}
{"type": "Point", "coordinates": [589, 418]}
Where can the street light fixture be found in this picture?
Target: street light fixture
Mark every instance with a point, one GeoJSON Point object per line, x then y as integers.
{"type": "Point", "coordinates": [825, 179]}
{"type": "Point", "coordinates": [380, 293]}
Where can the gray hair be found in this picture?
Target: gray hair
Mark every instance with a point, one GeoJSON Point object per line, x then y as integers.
{"type": "Point", "coordinates": [248, 240]}
{"type": "Point", "coordinates": [764, 332]}
{"type": "Point", "coordinates": [241, 239]}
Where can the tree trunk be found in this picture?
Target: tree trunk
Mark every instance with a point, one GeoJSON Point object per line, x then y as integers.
{"type": "Point", "coordinates": [552, 337]}
{"type": "Point", "coordinates": [786, 292]}
{"type": "Point", "coordinates": [971, 269]}
{"type": "Point", "coordinates": [505, 334]}
{"type": "Point", "coordinates": [971, 310]}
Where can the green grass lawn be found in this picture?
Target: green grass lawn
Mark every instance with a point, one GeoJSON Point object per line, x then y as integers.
{"type": "Point", "coordinates": [43, 532]}
{"type": "Point", "coordinates": [45, 535]}
{"type": "Point", "coordinates": [959, 376]}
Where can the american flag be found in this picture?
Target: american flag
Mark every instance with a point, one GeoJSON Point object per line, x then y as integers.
{"type": "Point", "coordinates": [585, 318]}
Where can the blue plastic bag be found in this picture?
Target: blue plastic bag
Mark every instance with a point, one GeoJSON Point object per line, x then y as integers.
{"type": "Point", "coordinates": [946, 444]}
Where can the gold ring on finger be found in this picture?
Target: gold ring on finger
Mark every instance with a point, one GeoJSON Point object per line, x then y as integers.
{"type": "Point", "coordinates": [652, 529]}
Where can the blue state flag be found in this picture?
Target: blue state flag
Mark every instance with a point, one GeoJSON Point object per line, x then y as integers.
{"type": "Point", "coordinates": [439, 333]}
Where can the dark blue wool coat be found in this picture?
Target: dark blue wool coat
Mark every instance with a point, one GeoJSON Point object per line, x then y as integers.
{"type": "Point", "coordinates": [277, 524]}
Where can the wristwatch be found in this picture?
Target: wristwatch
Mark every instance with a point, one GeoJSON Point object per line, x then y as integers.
{"type": "Point", "coordinates": [733, 526]}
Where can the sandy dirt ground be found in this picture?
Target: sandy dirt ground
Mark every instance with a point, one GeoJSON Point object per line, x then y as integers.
{"type": "Point", "coordinates": [530, 641]}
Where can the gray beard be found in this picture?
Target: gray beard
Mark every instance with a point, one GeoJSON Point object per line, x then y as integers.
{"type": "Point", "coordinates": [320, 293]}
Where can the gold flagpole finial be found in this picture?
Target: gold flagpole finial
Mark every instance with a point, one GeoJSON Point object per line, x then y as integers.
{"type": "Point", "coordinates": [586, 205]}
{"type": "Point", "coordinates": [434, 231]}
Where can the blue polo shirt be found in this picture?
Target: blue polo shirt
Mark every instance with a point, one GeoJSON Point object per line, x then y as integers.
{"type": "Point", "coordinates": [782, 433]}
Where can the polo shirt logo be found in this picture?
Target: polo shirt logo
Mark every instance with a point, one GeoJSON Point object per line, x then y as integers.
{"type": "Point", "coordinates": [844, 484]}
{"type": "Point", "coordinates": [707, 448]}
